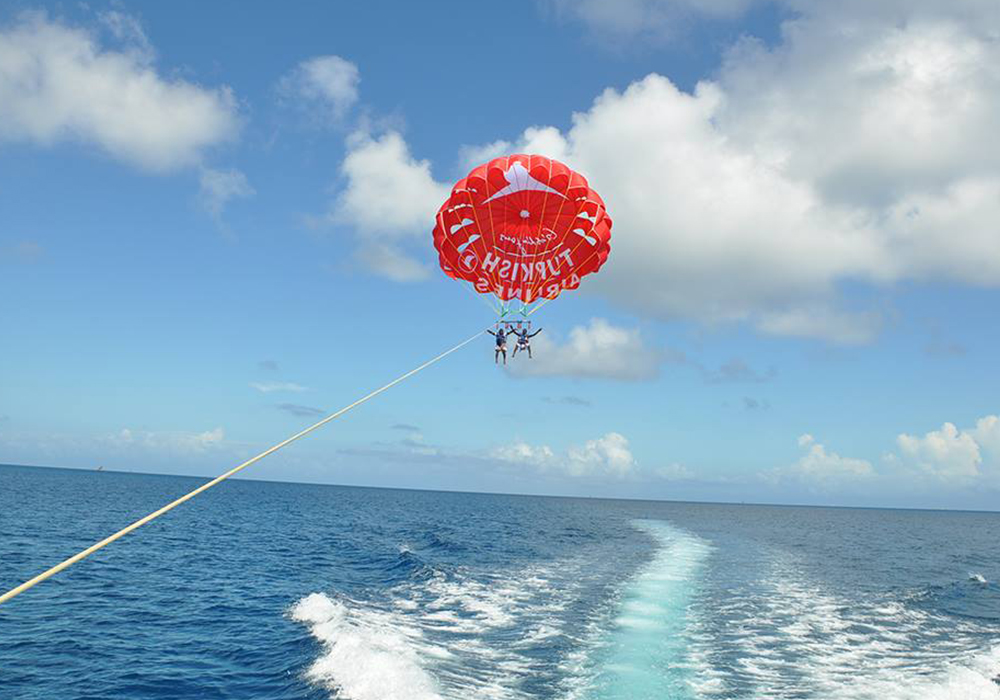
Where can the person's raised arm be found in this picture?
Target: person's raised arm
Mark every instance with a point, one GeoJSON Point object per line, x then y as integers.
{"type": "Point", "coordinates": [535, 333]}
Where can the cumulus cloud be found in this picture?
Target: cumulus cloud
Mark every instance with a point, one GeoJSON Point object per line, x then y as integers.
{"type": "Point", "coordinates": [713, 233]}
{"type": "Point", "coordinates": [948, 453]}
{"type": "Point", "coordinates": [389, 198]}
{"type": "Point", "coordinates": [910, 94]}
{"type": "Point", "coordinates": [736, 206]}
{"type": "Point", "coordinates": [388, 192]}
{"type": "Point", "coordinates": [170, 442]}
{"type": "Point", "coordinates": [328, 85]}
{"type": "Point", "coordinates": [909, 97]}
{"type": "Point", "coordinates": [597, 350]}
{"type": "Point", "coordinates": [820, 468]}
{"type": "Point", "coordinates": [947, 457]}
{"type": "Point", "coordinates": [269, 387]}
{"type": "Point", "coordinates": [59, 83]}
{"type": "Point", "coordinates": [987, 435]}
{"type": "Point", "coordinates": [608, 455]}
{"type": "Point", "coordinates": [520, 452]}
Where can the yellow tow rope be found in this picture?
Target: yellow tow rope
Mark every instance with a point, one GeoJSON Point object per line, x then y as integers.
{"type": "Point", "coordinates": [204, 487]}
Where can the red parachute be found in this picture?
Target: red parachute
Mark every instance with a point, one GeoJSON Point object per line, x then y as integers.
{"type": "Point", "coordinates": [522, 227]}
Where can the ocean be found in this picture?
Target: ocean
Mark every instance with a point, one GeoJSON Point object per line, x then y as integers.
{"type": "Point", "coordinates": [277, 591]}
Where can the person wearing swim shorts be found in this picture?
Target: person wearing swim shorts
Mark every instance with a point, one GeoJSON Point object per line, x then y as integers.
{"type": "Point", "coordinates": [501, 348]}
{"type": "Point", "coordinates": [523, 338]}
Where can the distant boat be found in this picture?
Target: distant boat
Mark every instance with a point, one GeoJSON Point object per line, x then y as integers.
{"type": "Point", "coordinates": [99, 469]}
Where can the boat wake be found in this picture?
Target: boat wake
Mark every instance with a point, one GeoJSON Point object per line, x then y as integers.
{"type": "Point", "coordinates": [669, 629]}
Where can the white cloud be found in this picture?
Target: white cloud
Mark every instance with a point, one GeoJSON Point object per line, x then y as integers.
{"type": "Point", "coordinates": [597, 350]}
{"type": "Point", "coordinates": [218, 187]}
{"type": "Point", "coordinates": [820, 468]}
{"type": "Point", "coordinates": [128, 30]}
{"type": "Point", "coordinates": [987, 435]}
{"type": "Point", "coordinates": [269, 387]}
{"type": "Point", "coordinates": [608, 455]}
{"type": "Point", "coordinates": [179, 442]}
{"type": "Point", "coordinates": [58, 83]}
{"type": "Point", "coordinates": [838, 325]}
{"type": "Point", "coordinates": [655, 20]}
{"type": "Point", "coordinates": [328, 84]}
{"type": "Point", "coordinates": [704, 229]}
{"type": "Point", "coordinates": [521, 452]}
{"type": "Point", "coordinates": [911, 99]}
{"type": "Point", "coordinates": [471, 156]}
{"type": "Point", "coordinates": [910, 95]}
{"type": "Point", "coordinates": [946, 453]}
{"type": "Point", "coordinates": [388, 193]}
{"type": "Point", "coordinates": [389, 199]}
{"type": "Point", "coordinates": [948, 456]}
{"type": "Point", "coordinates": [391, 262]}
{"type": "Point", "coordinates": [730, 203]}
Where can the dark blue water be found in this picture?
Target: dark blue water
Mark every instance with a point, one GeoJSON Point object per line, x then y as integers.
{"type": "Point", "coordinates": [266, 590]}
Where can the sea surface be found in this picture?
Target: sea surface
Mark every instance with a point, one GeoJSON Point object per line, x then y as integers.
{"type": "Point", "coordinates": [270, 590]}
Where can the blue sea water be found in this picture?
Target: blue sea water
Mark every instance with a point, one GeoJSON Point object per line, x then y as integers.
{"type": "Point", "coordinates": [271, 590]}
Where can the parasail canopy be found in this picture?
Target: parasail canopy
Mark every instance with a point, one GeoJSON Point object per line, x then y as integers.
{"type": "Point", "coordinates": [522, 227]}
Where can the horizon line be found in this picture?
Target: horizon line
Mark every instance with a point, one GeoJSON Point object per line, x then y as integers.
{"type": "Point", "coordinates": [503, 493]}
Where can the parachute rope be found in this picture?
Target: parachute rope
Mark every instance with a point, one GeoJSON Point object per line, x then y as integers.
{"type": "Point", "coordinates": [222, 477]}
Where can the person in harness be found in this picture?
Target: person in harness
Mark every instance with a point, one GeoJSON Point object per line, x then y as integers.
{"type": "Point", "coordinates": [501, 335]}
{"type": "Point", "coordinates": [523, 338]}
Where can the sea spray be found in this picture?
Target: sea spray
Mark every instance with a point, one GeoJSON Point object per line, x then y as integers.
{"type": "Point", "coordinates": [365, 656]}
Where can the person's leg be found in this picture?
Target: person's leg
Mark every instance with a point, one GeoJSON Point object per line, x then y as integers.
{"type": "Point", "coordinates": [505, 355]}
{"type": "Point", "coordinates": [529, 352]}
{"type": "Point", "coordinates": [514, 354]}
{"type": "Point", "coordinates": [496, 356]}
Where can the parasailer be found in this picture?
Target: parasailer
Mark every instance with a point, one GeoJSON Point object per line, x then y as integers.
{"type": "Point", "coordinates": [522, 228]}
{"type": "Point", "coordinates": [501, 336]}
{"type": "Point", "coordinates": [524, 339]}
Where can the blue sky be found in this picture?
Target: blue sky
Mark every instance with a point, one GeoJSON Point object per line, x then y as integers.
{"type": "Point", "coordinates": [215, 227]}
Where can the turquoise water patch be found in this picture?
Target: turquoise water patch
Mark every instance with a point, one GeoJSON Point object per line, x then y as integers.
{"type": "Point", "coordinates": [644, 652]}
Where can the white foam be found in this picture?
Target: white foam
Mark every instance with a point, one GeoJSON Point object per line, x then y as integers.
{"type": "Point", "coordinates": [961, 680]}
{"type": "Point", "coordinates": [539, 634]}
{"type": "Point", "coordinates": [455, 636]}
{"type": "Point", "coordinates": [365, 657]}
{"type": "Point", "coordinates": [792, 638]}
